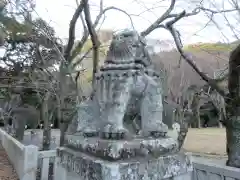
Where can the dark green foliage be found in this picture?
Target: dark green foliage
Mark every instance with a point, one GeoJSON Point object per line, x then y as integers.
{"type": "Point", "coordinates": [30, 50]}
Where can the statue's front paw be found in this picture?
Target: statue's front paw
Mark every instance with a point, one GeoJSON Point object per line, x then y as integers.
{"type": "Point", "coordinates": [159, 131]}
{"type": "Point", "coordinates": [157, 134]}
{"type": "Point", "coordinates": [113, 132]}
{"type": "Point", "coordinates": [89, 132]}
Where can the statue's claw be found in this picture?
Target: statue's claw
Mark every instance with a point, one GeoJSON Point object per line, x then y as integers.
{"type": "Point", "coordinates": [160, 130]}
{"type": "Point", "coordinates": [89, 132]}
{"type": "Point", "coordinates": [157, 134]}
{"type": "Point", "coordinates": [113, 132]}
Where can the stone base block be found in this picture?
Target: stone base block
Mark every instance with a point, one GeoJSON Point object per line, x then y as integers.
{"type": "Point", "coordinates": [80, 166]}
{"type": "Point", "coordinates": [112, 150]}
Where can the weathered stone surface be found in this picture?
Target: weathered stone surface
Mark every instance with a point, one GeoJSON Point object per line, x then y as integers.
{"type": "Point", "coordinates": [80, 166]}
{"type": "Point", "coordinates": [122, 149]}
{"type": "Point", "coordinates": [127, 97]}
{"type": "Point", "coordinates": [85, 121]}
{"type": "Point", "coordinates": [119, 133]}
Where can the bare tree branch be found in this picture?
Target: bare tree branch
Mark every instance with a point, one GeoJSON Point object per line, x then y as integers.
{"type": "Point", "coordinates": [82, 41]}
{"type": "Point", "coordinates": [71, 37]}
{"type": "Point", "coordinates": [176, 35]}
{"type": "Point", "coordinates": [91, 30]}
{"type": "Point", "coordinates": [85, 30]}
{"type": "Point", "coordinates": [111, 8]}
{"type": "Point", "coordinates": [159, 20]}
{"type": "Point", "coordinates": [217, 11]}
{"type": "Point", "coordinates": [94, 38]}
{"type": "Point", "coordinates": [96, 22]}
{"type": "Point", "coordinates": [167, 15]}
{"type": "Point", "coordinates": [188, 58]}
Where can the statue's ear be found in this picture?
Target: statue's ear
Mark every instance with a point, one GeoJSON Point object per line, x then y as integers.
{"type": "Point", "coordinates": [114, 36]}
{"type": "Point", "coordinates": [142, 41]}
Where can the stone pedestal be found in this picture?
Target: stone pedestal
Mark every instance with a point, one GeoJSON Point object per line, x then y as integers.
{"type": "Point", "coordinates": [76, 165]}
{"type": "Point", "coordinates": [113, 150]}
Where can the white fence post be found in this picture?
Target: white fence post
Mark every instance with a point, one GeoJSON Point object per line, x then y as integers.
{"type": "Point", "coordinates": [45, 169]}
{"type": "Point", "coordinates": [217, 170]}
{"type": "Point", "coordinates": [60, 173]}
{"type": "Point", "coordinates": [45, 157]}
{"type": "Point", "coordinates": [23, 158]}
{"type": "Point", "coordinates": [30, 163]}
{"type": "Point", "coordinates": [55, 171]}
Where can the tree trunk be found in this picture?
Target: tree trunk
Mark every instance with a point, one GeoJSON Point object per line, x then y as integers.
{"type": "Point", "coordinates": [233, 141]}
{"type": "Point", "coordinates": [61, 123]}
{"type": "Point", "coordinates": [198, 119]}
{"type": "Point", "coordinates": [233, 103]}
{"type": "Point", "coordinates": [63, 129]}
{"type": "Point", "coordinates": [220, 119]}
{"type": "Point", "coordinates": [19, 128]}
{"type": "Point", "coordinates": [6, 125]}
{"type": "Point", "coordinates": [46, 138]}
{"type": "Point", "coordinates": [62, 77]}
{"type": "Point", "coordinates": [45, 117]}
{"type": "Point", "coordinates": [195, 109]}
{"type": "Point", "coordinates": [190, 125]}
{"type": "Point", "coordinates": [220, 124]}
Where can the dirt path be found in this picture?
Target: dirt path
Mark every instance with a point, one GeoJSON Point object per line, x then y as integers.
{"type": "Point", "coordinates": [6, 170]}
{"type": "Point", "coordinates": [211, 141]}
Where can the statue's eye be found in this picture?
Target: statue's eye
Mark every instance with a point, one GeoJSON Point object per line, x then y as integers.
{"type": "Point", "coordinates": [135, 45]}
{"type": "Point", "coordinates": [127, 35]}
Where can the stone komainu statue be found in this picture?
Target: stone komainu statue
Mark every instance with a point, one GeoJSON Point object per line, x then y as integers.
{"type": "Point", "coordinates": [127, 96]}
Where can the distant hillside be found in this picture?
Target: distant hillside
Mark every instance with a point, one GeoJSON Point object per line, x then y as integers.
{"type": "Point", "coordinates": [210, 57]}
{"type": "Point", "coordinates": [217, 47]}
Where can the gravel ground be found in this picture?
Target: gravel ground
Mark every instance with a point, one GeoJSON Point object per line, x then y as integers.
{"type": "Point", "coordinates": [7, 172]}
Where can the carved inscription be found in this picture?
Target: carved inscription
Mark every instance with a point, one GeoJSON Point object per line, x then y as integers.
{"type": "Point", "coordinates": [68, 161]}
{"type": "Point", "coordinates": [83, 167]}
{"type": "Point", "coordinates": [163, 167]}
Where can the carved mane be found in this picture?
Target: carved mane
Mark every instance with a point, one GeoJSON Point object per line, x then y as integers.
{"type": "Point", "coordinates": [128, 47]}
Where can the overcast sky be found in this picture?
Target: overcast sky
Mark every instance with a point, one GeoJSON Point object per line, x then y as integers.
{"type": "Point", "coordinates": [59, 13]}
